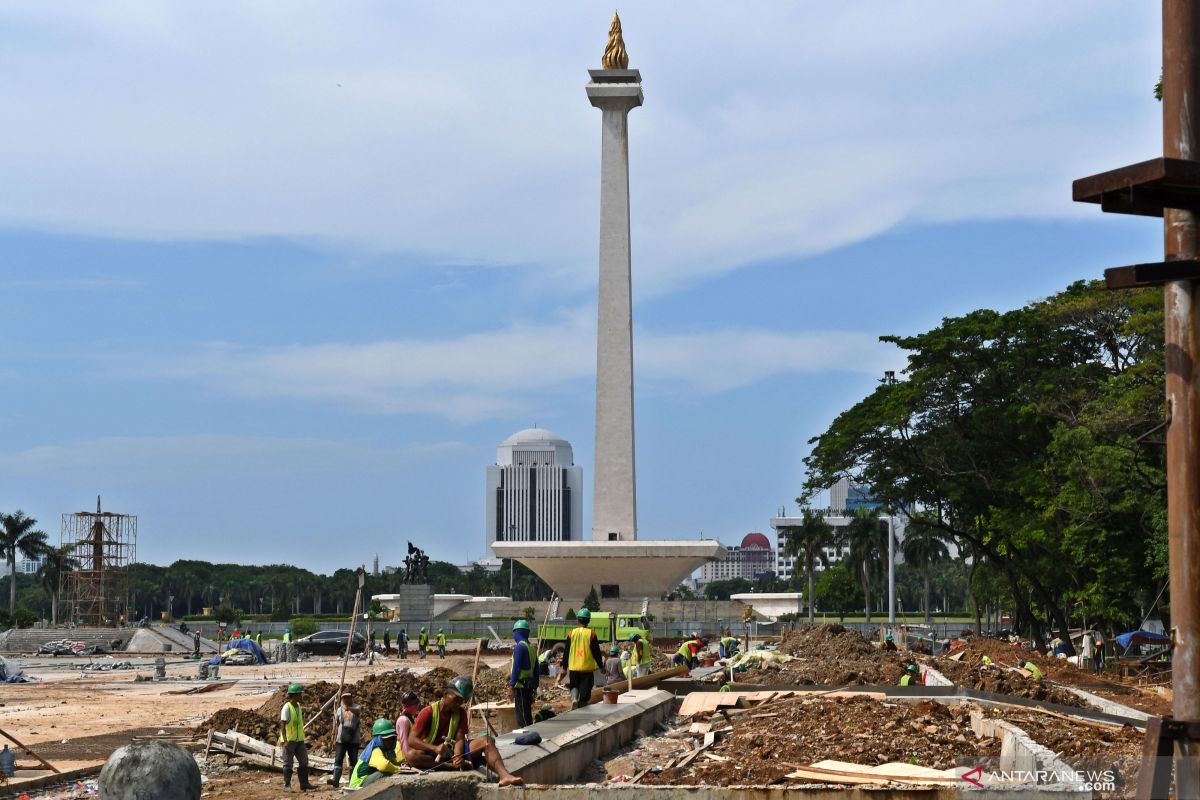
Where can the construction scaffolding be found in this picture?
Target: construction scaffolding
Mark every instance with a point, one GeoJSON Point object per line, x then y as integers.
{"type": "Point", "coordinates": [103, 545]}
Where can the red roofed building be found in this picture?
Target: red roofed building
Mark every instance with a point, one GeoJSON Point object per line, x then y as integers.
{"type": "Point", "coordinates": [753, 558]}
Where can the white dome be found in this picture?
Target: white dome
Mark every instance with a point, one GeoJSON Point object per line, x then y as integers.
{"type": "Point", "coordinates": [534, 436]}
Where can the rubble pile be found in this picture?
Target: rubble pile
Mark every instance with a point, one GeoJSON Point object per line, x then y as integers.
{"type": "Point", "coordinates": [1088, 748]}
{"type": "Point", "coordinates": [764, 744]}
{"type": "Point", "coordinates": [830, 655]}
{"type": "Point", "coordinates": [998, 678]}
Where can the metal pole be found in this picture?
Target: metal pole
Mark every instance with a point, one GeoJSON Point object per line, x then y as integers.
{"type": "Point", "coordinates": [1181, 139]}
{"type": "Point", "coordinates": [891, 569]}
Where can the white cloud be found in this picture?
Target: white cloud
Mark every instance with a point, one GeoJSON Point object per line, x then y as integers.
{"type": "Point", "coordinates": [504, 372]}
{"type": "Point", "coordinates": [158, 458]}
{"type": "Point", "coordinates": [461, 131]}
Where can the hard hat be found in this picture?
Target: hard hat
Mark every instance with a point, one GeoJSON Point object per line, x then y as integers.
{"type": "Point", "coordinates": [583, 613]}
{"type": "Point", "coordinates": [295, 688]}
{"type": "Point", "coordinates": [461, 686]}
{"type": "Point", "coordinates": [695, 634]}
{"type": "Point", "coordinates": [889, 637]}
{"type": "Point", "coordinates": [441, 630]}
{"type": "Point", "coordinates": [521, 625]}
{"type": "Point", "coordinates": [612, 651]}
{"type": "Point", "coordinates": [383, 727]}
{"type": "Point", "coordinates": [422, 629]}
{"type": "Point", "coordinates": [912, 667]}
{"type": "Point", "coordinates": [633, 637]}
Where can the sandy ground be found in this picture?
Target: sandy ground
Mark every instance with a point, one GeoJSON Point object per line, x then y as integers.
{"type": "Point", "coordinates": [74, 718]}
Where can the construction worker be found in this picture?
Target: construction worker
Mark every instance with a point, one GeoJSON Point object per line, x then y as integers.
{"type": "Point", "coordinates": [258, 638]}
{"type": "Point", "coordinates": [523, 678]}
{"type": "Point", "coordinates": [612, 666]}
{"type": "Point", "coordinates": [439, 736]}
{"type": "Point", "coordinates": [402, 643]}
{"type": "Point", "coordinates": [911, 676]}
{"type": "Point", "coordinates": [986, 660]}
{"type": "Point", "coordinates": [583, 659]}
{"type": "Point", "coordinates": [387, 642]}
{"type": "Point", "coordinates": [287, 634]}
{"type": "Point", "coordinates": [196, 643]}
{"type": "Point", "coordinates": [889, 642]}
{"type": "Point", "coordinates": [410, 706]}
{"type": "Point", "coordinates": [1034, 673]}
{"type": "Point", "coordinates": [441, 643]}
{"type": "Point", "coordinates": [379, 758]}
{"type": "Point", "coordinates": [640, 656]}
{"type": "Point", "coordinates": [345, 735]}
{"type": "Point", "coordinates": [728, 645]}
{"type": "Point", "coordinates": [422, 642]}
{"type": "Point", "coordinates": [291, 738]}
{"type": "Point", "coordinates": [687, 652]}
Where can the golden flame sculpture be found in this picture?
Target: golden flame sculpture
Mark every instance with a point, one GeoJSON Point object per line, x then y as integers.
{"type": "Point", "coordinates": [615, 56]}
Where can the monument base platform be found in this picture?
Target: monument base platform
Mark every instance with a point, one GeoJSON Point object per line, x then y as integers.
{"type": "Point", "coordinates": [616, 569]}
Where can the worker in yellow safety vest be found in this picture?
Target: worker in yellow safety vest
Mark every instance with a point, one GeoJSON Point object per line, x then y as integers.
{"type": "Point", "coordinates": [583, 659]}
{"type": "Point", "coordinates": [381, 757]}
{"type": "Point", "coordinates": [422, 642]}
{"type": "Point", "coordinates": [1034, 673]}
{"type": "Point", "coordinates": [441, 642]}
{"type": "Point", "coordinates": [291, 738]}
{"type": "Point", "coordinates": [640, 655]}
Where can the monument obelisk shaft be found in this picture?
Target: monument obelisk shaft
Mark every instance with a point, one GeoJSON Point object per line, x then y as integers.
{"type": "Point", "coordinates": [615, 90]}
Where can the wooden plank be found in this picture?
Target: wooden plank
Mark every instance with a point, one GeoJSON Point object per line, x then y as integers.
{"type": "Point", "coordinates": [39, 759]}
{"type": "Point", "coordinates": [644, 682]}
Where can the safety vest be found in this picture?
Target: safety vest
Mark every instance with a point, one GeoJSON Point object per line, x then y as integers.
{"type": "Point", "coordinates": [581, 659]}
{"type": "Point", "coordinates": [642, 652]}
{"type": "Point", "coordinates": [363, 767]}
{"type": "Point", "coordinates": [685, 649]}
{"type": "Point", "coordinates": [524, 676]}
{"type": "Point", "coordinates": [729, 641]}
{"type": "Point", "coordinates": [294, 729]}
{"type": "Point", "coordinates": [423, 639]}
{"type": "Point", "coordinates": [441, 640]}
{"type": "Point", "coordinates": [906, 679]}
{"type": "Point", "coordinates": [435, 709]}
{"type": "Point", "coordinates": [1035, 673]}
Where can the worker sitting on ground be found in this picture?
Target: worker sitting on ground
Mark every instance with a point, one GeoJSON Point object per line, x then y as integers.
{"type": "Point", "coordinates": [523, 678]}
{"type": "Point", "coordinates": [423, 642]}
{"type": "Point", "coordinates": [441, 643]}
{"type": "Point", "coordinates": [1032, 668]}
{"type": "Point", "coordinates": [379, 758]}
{"type": "Point", "coordinates": [728, 646]}
{"type": "Point", "coordinates": [612, 666]}
{"type": "Point", "coordinates": [583, 659]}
{"type": "Point", "coordinates": [410, 706]}
{"type": "Point", "coordinates": [911, 676]}
{"type": "Point", "coordinates": [439, 736]}
{"type": "Point", "coordinates": [889, 643]}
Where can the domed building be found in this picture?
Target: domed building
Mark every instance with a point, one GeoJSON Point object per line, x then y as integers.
{"type": "Point", "coordinates": [753, 558]}
{"type": "Point", "coordinates": [534, 490]}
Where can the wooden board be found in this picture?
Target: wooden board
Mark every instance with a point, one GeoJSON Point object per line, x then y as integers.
{"type": "Point", "coordinates": [830, 771]}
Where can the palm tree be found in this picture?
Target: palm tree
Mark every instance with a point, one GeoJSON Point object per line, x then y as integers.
{"type": "Point", "coordinates": [58, 565]}
{"type": "Point", "coordinates": [17, 535]}
{"type": "Point", "coordinates": [923, 547]}
{"type": "Point", "coordinates": [865, 538]}
{"type": "Point", "coordinates": [807, 542]}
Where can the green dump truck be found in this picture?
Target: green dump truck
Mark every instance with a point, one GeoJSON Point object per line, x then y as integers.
{"type": "Point", "coordinates": [609, 627]}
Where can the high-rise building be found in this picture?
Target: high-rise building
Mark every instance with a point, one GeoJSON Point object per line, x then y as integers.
{"type": "Point", "coordinates": [534, 490]}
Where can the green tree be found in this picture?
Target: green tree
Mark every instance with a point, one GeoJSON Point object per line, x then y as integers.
{"type": "Point", "coordinates": [721, 590]}
{"type": "Point", "coordinates": [59, 563]}
{"type": "Point", "coordinates": [836, 589]}
{"type": "Point", "coordinates": [592, 601]}
{"type": "Point", "coordinates": [924, 547]}
{"type": "Point", "coordinates": [19, 535]}
{"type": "Point", "coordinates": [807, 542]}
{"type": "Point", "coordinates": [865, 539]}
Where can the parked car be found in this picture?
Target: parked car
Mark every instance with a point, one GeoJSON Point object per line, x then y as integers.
{"type": "Point", "coordinates": [330, 643]}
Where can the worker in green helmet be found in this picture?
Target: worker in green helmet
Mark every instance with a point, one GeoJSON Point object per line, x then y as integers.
{"type": "Point", "coordinates": [423, 642]}
{"type": "Point", "coordinates": [641, 655]}
{"type": "Point", "coordinates": [523, 678]}
{"type": "Point", "coordinates": [439, 736]}
{"type": "Point", "coordinates": [583, 659]}
{"type": "Point", "coordinates": [441, 643]}
{"type": "Point", "coordinates": [291, 738]}
{"type": "Point", "coordinates": [379, 758]}
{"type": "Point", "coordinates": [612, 666]}
{"type": "Point", "coordinates": [911, 676]}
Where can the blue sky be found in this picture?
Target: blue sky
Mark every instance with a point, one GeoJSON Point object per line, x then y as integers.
{"type": "Point", "coordinates": [279, 281]}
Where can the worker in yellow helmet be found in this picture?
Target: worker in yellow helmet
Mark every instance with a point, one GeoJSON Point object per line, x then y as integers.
{"type": "Point", "coordinates": [583, 659]}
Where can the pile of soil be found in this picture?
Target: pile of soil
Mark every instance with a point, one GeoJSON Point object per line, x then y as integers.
{"type": "Point", "coordinates": [830, 655]}
{"type": "Point", "coordinates": [996, 678]}
{"type": "Point", "coordinates": [795, 732]}
{"type": "Point", "coordinates": [1088, 748]}
{"type": "Point", "coordinates": [379, 695]}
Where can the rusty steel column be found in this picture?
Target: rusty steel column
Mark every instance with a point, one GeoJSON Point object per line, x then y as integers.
{"type": "Point", "coordinates": [1181, 139]}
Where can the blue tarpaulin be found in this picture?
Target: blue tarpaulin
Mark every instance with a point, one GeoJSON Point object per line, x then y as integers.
{"type": "Point", "coordinates": [249, 645]}
{"type": "Point", "coordinates": [1142, 637]}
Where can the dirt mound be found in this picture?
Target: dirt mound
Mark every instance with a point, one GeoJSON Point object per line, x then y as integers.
{"type": "Point", "coordinates": [998, 679]}
{"type": "Point", "coordinates": [831, 641]}
{"type": "Point", "coordinates": [855, 729]}
{"type": "Point", "coordinates": [379, 695]}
